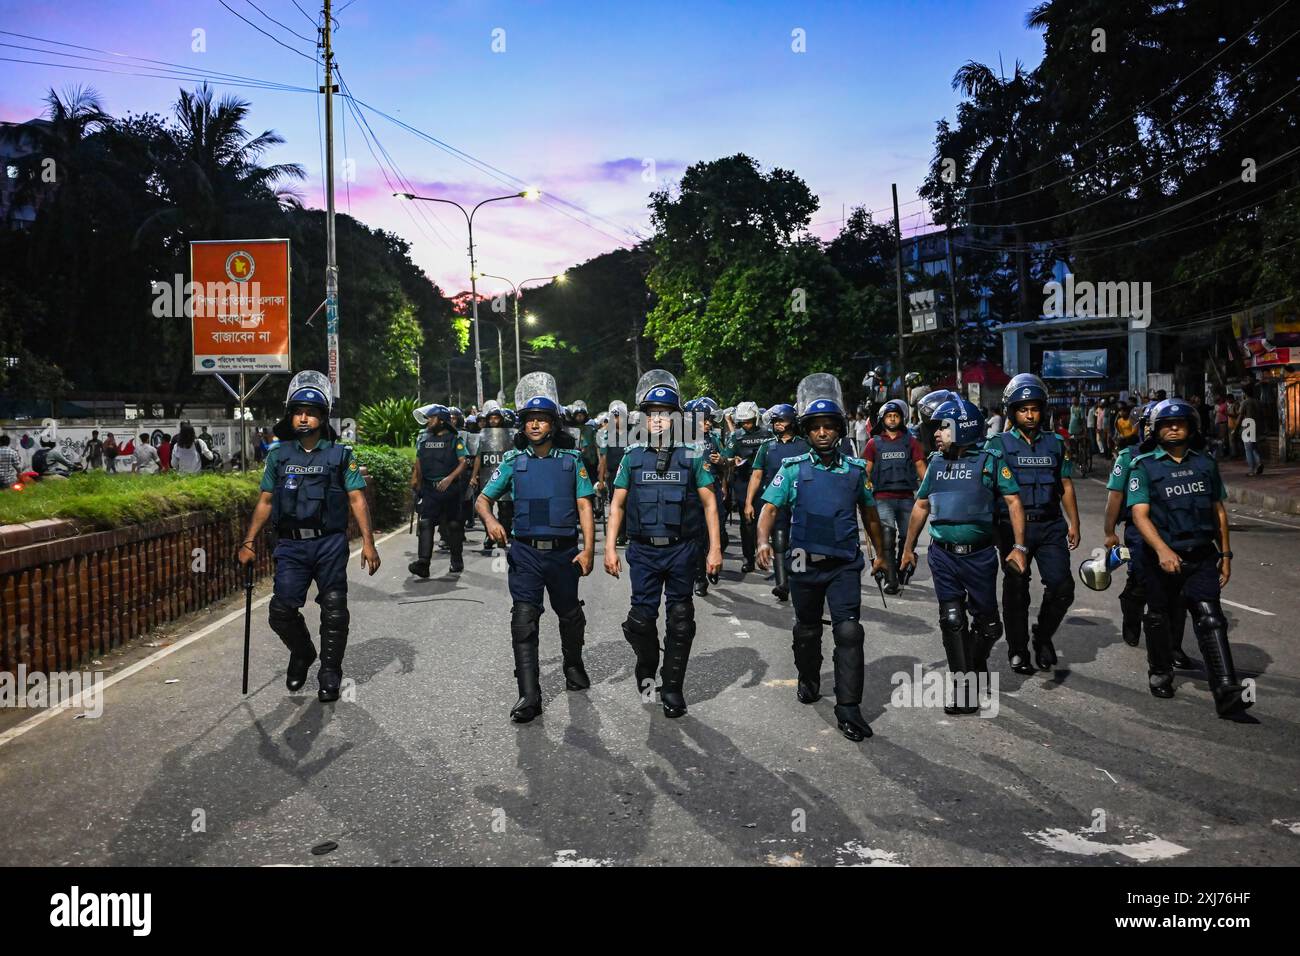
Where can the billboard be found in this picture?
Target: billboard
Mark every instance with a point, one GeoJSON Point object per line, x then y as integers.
{"type": "Point", "coordinates": [240, 305]}
{"type": "Point", "coordinates": [1075, 363]}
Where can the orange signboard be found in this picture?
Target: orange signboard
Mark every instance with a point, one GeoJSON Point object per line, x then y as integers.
{"type": "Point", "coordinates": [240, 305]}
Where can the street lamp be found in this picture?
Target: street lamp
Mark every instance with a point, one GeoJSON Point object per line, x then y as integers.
{"type": "Point", "coordinates": [560, 278]}
{"type": "Point", "coordinates": [531, 193]}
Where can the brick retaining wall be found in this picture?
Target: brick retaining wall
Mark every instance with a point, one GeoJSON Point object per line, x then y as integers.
{"type": "Point", "coordinates": [67, 597]}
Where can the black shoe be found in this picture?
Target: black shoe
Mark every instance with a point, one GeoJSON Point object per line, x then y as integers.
{"type": "Point", "coordinates": [1045, 655]}
{"type": "Point", "coordinates": [892, 589]}
{"type": "Point", "coordinates": [1161, 685]}
{"type": "Point", "coordinates": [701, 588]}
{"type": "Point", "coordinates": [443, 546]}
{"type": "Point", "coordinates": [1021, 664]}
{"type": "Point", "coordinates": [457, 563]}
{"type": "Point", "coordinates": [525, 710]}
{"type": "Point", "coordinates": [1132, 635]}
{"type": "Point", "coordinates": [852, 724]}
{"type": "Point", "coordinates": [330, 681]}
{"type": "Point", "coordinates": [487, 546]}
{"type": "Point", "coordinates": [419, 568]}
{"type": "Point", "coordinates": [673, 701]}
{"type": "Point", "coordinates": [299, 664]}
{"type": "Point", "coordinates": [575, 675]}
{"type": "Point", "coordinates": [782, 594]}
{"type": "Point", "coordinates": [1180, 660]}
{"type": "Point", "coordinates": [808, 691]}
{"type": "Point", "coordinates": [747, 567]}
{"type": "Point", "coordinates": [1228, 700]}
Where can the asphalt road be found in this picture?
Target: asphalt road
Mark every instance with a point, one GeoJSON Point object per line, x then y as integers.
{"type": "Point", "coordinates": [1079, 767]}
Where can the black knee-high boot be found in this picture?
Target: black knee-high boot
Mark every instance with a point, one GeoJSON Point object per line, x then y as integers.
{"type": "Point", "coordinates": [524, 620]}
{"type": "Point", "coordinates": [334, 619]}
{"type": "Point", "coordinates": [288, 624]}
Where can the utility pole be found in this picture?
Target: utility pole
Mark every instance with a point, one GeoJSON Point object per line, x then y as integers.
{"type": "Point", "coordinates": [956, 311]}
{"type": "Point", "coordinates": [898, 274]}
{"type": "Point", "coordinates": [331, 259]}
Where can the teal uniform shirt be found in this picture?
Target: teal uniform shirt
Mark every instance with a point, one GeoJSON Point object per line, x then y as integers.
{"type": "Point", "coordinates": [782, 491]}
{"type": "Point", "coordinates": [760, 459]}
{"type": "Point", "coordinates": [1067, 465]}
{"type": "Point", "coordinates": [1118, 480]}
{"type": "Point", "coordinates": [1139, 492]}
{"type": "Point", "coordinates": [695, 456]}
{"type": "Point", "coordinates": [996, 475]}
{"type": "Point", "coordinates": [502, 479]}
{"type": "Point", "coordinates": [352, 479]}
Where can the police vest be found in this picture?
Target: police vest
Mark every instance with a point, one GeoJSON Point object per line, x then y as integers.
{"type": "Point", "coordinates": [662, 504]}
{"type": "Point", "coordinates": [824, 519]}
{"type": "Point", "coordinates": [437, 455]}
{"type": "Point", "coordinates": [893, 469]}
{"type": "Point", "coordinates": [1182, 499]}
{"type": "Point", "coordinates": [746, 447]}
{"type": "Point", "coordinates": [958, 494]}
{"type": "Point", "coordinates": [613, 458]}
{"type": "Point", "coordinates": [309, 490]}
{"type": "Point", "coordinates": [1037, 470]}
{"type": "Point", "coordinates": [777, 452]}
{"type": "Point", "coordinates": [545, 503]}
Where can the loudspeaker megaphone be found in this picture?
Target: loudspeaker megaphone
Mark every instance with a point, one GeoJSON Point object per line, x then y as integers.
{"type": "Point", "coordinates": [1095, 573]}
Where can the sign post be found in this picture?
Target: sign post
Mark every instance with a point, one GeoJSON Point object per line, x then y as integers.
{"type": "Point", "coordinates": [240, 312]}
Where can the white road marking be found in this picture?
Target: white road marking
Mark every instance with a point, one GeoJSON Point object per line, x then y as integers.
{"type": "Point", "coordinates": [1293, 826]}
{"type": "Point", "coordinates": [856, 853]}
{"type": "Point", "coordinates": [1280, 524]}
{"type": "Point", "coordinates": [1107, 773]}
{"type": "Point", "coordinates": [75, 701]}
{"type": "Point", "coordinates": [743, 635]}
{"type": "Point", "coordinates": [1079, 844]}
{"type": "Point", "coordinates": [1246, 607]}
{"type": "Point", "coordinates": [571, 858]}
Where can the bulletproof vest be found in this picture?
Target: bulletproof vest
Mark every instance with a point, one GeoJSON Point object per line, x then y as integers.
{"type": "Point", "coordinates": [1182, 499]}
{"type": "Point", "coordinates": [1036, 469]}
{"type": "Point", "coordinates": [777, 452]}
{"type": "Point", "coordinates": [893, 469]}
{"type": "Point", "coordinates": [437, 454]}
{"type": "Point", "coordinates": [662, 503]}
{"type": "Point", "coordinates": [38, 460]}
{"type": "Point", "coordinates": [824, 518]}
{"type": "Point", "coordinates": [613, 458]}
{"type": "Point", "coordinates": [309, 490]}
{"type": "Point", "coordinates": [545, 503]}
{"type": "Point", "coordinates": [958, 494]}
{"type": "Point", "coordinates": [746, 447]}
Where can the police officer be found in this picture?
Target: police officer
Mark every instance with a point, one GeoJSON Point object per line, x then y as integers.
{"type": "Point", "coordinates": [1132, 600]}
{"type": "Point", "coordinates": [464, 494]}
{"type": "Point", "coordinates": [706, 412]}
{"type": "Point", "coordinates": [552, 494]}
{"type": "Point", "coordinates": [825, 491]}
{"type": "Point", "coordinates": [1176, 499]}
{"type": "Point", "coordinates": [1040, 463]}
{"type": "Point", "coordinates": [441, 460]}
{"type": "Point", "coordinates": [309, 485]}
{"type": "Point", "coordinates": [494, 440]}
{"type": "Point", "coordinates": [663, 489]}
{"type": "Point", "coordinates": [895, 465]}
{"type": "Point", "coordinates": [787, 443]}
{"type": "Point", "coordinates": [742, 446]}
{"type": "Point", "coordinates": [959, 496]}
{"type": "Point", "coordinates": [616, 436]}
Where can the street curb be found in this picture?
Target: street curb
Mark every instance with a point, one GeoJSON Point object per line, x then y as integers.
{"type": "Point", "coordinates": [1287, 504]}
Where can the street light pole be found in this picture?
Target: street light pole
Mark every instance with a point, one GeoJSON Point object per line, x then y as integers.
{"type": "Point", "coordinates": [473, 267]}
{"type": "Point", "coordinates": [517, 289]}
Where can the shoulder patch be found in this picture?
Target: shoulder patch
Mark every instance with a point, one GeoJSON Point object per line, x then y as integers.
{"type": "Point", "coordinates": [1118, 469]}
{"type": "Point", "coordinates": [352, 465]}
{"type": "Point", "coordinates": [1134, 484]}
{"type": "Point", "coordinates": [778, 481]}
{"type": "Point", "coordinates": [1006, 472]}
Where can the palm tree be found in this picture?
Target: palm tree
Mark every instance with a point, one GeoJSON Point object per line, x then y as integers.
{"type": "Point", "coordinates": [214, 180]}
{"type": "Point", "coordinates": [55, 147]}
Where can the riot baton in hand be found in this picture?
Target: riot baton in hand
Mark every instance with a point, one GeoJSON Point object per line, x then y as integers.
{"type": "Point", "coordinates": [248, 617]}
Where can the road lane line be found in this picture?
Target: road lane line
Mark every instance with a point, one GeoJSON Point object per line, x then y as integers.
{"type": "Point", "coordinates": [1280, 524]}
{"type": "Point", "coordinates": [76, 701]}
{"type": "Point", "coordinates": [1246, 607]}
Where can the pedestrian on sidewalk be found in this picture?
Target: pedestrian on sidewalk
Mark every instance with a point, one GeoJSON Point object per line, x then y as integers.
{"type": "Point", "coordinates": [189, 451]}
{"type": "Point", "coordinates": [11, 463]}
{"type": "Point", "coordinates": [111, 452]}
{"type": "Point", "coordinates": [93, 456]}
{"type": "Point", "coordinates": [1250, 430]}
{"type": "Point", "coordinates": [147, 461]}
